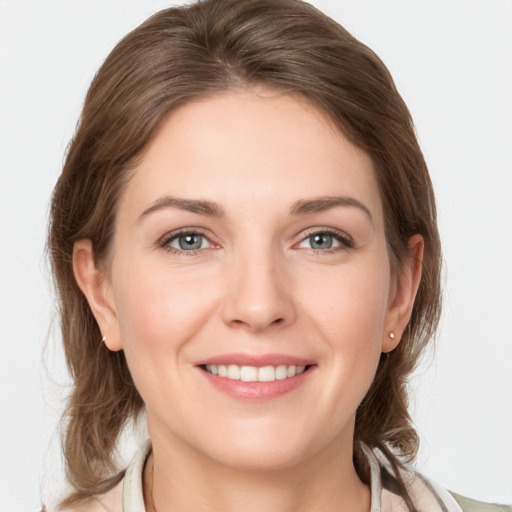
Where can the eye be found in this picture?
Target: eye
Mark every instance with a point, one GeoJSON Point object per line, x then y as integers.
{"type": "Point", "coordinates": [188, 242]}
{"type": "Point", "coordinates": [325, 240]}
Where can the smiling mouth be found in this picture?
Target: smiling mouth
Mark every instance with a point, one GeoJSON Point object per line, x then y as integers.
{"type": "Point", "coordinates": [254, 373]}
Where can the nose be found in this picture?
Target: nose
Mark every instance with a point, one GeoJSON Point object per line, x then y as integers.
{"type": "Point", "coordinates": [259, 293]}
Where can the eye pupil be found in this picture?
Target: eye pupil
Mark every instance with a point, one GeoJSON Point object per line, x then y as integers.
{"type": "Point", "coordinates": [188, 242]}
{"type": "Point", "coordinates": [321, 241]}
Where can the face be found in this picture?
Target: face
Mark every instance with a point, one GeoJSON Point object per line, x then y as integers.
{"type": "Point", "coordinates": [249, 281]}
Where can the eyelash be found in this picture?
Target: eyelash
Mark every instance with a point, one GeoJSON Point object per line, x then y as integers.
{"type": "Point", "coordinates": [170, 237]}
{"type": "Point", "coordinates": [345, 241]}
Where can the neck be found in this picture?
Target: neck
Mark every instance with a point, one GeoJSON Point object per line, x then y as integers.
{"type": "Point", "coordinates": [178, 481]}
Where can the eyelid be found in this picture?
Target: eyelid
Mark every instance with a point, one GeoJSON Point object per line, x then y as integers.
{"type": "Point", "coordinates": [347, 242]}
{"type": "Point", "coordinates": [164, 240]}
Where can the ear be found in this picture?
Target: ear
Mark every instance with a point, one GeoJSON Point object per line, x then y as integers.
{"type": "Point", "coordinates": [402, 295]}
{"type": "Point", "coordinates": [97, 290]}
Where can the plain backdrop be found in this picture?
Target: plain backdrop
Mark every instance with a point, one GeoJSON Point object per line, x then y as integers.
{"type": "Point", "coordinates": [451, 61]}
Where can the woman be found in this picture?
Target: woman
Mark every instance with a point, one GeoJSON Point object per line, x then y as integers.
{"type": "Point", "coordinates": [244, 240]}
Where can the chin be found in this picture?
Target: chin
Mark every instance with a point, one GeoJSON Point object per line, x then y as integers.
{"type": "Point", "coordinates": [261, 449]}
{"type": "Point", "coordinates": [248, 458]}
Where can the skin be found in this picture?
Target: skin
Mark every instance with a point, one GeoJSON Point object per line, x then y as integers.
{"type": "Point", "coordinates": [256, 286]}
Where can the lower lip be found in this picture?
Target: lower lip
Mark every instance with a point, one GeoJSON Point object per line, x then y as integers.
{"type": "Point", "coordinates": [257, 391]}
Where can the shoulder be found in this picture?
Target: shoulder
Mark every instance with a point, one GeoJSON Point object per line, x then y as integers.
{"type": "Point", "coordinates": [454, 501]}
{"type": "Point", "coordinates": [128, 490]}
{"type": "Point", "coordinates": [111, 501]}
{"type": "Point", "coordinates": [428, 495]}
{"type": "Point", "coordinates": [469, 505]}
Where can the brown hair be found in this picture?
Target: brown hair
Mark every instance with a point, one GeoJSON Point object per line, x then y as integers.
{"type": "Point", "coordinates": [189, 52]}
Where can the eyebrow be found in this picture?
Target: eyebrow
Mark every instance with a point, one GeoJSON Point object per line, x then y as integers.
{"type": "Point", "coordinates": [190, 205]}
{"type": "Point", "coordinates": [212, 209]}
{"type": "Point", "coordinates": [320, 204]}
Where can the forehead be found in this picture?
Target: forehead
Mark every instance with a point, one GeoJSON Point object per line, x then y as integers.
{"type": "Point", "coordinates": [260, 145]}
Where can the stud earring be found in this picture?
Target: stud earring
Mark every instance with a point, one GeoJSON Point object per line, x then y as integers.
{"type": "Point", "coordinates": [391, 335]}
{"type": "Point", "coordinates": [103, 339]}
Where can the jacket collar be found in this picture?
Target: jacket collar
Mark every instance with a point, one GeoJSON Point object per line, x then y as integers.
{"type": "Point", "coordinates": [428, 495]}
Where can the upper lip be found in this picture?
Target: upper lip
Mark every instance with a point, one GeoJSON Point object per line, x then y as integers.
{"type": "Point", "coordinates": [258, 360]}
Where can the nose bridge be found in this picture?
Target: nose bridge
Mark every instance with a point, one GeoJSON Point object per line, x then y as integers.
{"type": "Point", "coordinates": [259, 292]}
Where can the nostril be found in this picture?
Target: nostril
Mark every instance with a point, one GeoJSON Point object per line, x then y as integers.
{"type": "Point", "coordinates": [254, 325]}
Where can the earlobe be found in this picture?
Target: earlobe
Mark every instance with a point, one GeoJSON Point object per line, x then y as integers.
{"type": "Point", "coordinates": [404, 294]}
{"type": "Point", "coordinates": [96, 288]}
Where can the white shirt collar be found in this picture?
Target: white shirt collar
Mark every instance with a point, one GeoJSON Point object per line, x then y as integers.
{"type": "Point", "coordinates": [428, 495]}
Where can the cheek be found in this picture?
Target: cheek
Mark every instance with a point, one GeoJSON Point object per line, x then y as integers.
{"type": "Point", "coordinates": [158, 309]}
{"type": "Point", "coordinates": [352, 307]}
{"type": "Point", "coordinates": [350, 317]}
{"type": "Point", "coordinates": [159, 314]}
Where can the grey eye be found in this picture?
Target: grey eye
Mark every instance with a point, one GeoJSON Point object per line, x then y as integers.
{"type": "Point", "coordinates": [321, 241]}
{"type": "Point", "coordinates": [189, 242]}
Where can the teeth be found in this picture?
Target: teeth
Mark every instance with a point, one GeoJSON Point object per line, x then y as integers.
{"type": "Point", "coordinates": [254, 373]}
{"type": "Point", "coordinates": [266, 374]}
{"type": "Point", "coordinates": [233, 372]}
{"type": "Point", "coordinates": [281, 372]}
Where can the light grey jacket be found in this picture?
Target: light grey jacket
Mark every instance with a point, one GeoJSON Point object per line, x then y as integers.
{"type": "Point", "coordinates": [428, 496]}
